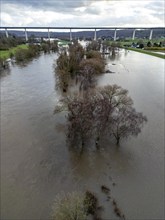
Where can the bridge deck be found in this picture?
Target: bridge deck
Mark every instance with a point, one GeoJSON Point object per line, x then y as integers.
{"type": "Point", "coordinates": [78, 28]}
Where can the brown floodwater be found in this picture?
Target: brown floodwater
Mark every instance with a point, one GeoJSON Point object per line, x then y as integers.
{"type": "Point", "coordinates": [36, 164]}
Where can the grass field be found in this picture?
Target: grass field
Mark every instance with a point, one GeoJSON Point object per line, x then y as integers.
{"type": "Point", "coordinates": [129, 41]}
{"type": "Point", "coordinates": [5, 54]}
{"type": "Point", "coordinates": [147, 52]}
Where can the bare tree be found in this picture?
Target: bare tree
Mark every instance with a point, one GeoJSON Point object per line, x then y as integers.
{"type": "Point", "coordinates": [67, 65]}
{"type": "Point", "coordinates": [80, 120]}
{"type": "Point", "coordinates": [93, 54]}
{"type": "Point", "coordinates": [76, 55]}
{"type": "Point", "coordinates": [62, 71]}
{"type": "Point", "coordinates": [111, 97]}
{"type": "Point", "coordinates": [125, 122]}
{"type": "Point", "coordinates": [94, 45]}
{"type": "Point", "coordinates": [116, 95]}
{"type": "Point", "coordinates": [87, 70]}
{"type": "Point", "coordinates": [86, 75]}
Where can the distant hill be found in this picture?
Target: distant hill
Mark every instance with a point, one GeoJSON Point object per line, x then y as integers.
{"type": "Point", "coordinates": [90, 34]}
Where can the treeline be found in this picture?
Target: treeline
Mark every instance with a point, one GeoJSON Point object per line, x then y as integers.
{"type": "Point", "coordinates": [11, 41]}
{"type": "Point", "coordinates": [22, 54]}
{"type": "Point", "coordinates": [33, 50]}
{"type": "Point", "coordinates": [16, 48]}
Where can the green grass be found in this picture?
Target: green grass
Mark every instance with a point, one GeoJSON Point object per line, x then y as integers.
{"type": "Point", "coordinates": [147, 52]}
{"type": "Point", "coordinates": [64, 42]}
{"type": "Point", "coordinates": [5, 54]}
{"type": "Point", "coordinates": [129, 41]}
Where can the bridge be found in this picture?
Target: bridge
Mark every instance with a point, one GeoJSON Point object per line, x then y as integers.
{"type": "Point", "coordinates": [134, 29]}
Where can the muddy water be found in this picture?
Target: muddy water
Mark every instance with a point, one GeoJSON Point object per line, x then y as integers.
{"type": "Point", "coordinates": [36, 164]}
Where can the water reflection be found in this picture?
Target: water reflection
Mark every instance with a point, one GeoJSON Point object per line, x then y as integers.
{"type": "Point", "coordinates": [5, 72]}
{"type": "Point", "coordinates": [93, 163]}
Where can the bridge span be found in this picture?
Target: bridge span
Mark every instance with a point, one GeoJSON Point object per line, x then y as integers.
{"type": "Point", "coordinates": [94, 28]}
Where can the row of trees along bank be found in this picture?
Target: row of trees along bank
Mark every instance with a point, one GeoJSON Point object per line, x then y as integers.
{"type": "Point", "coordinates": [33, 50]}
{"type": "Point", "coordinates": [11, 48]}
{"type": "Point", "coordinates": [94, 113]}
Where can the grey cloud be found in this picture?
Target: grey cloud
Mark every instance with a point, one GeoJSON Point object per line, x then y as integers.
{"type": "Point", "coordinates": [159, 15]}
{"type": "Point", "coordinates": [93, 10]}
{"type": "Point", "coordinates": [53, 5]}
{"type": "Point", "coordinates": [156, 6]}
{"type": "Point", "coordinates": [37, 12]}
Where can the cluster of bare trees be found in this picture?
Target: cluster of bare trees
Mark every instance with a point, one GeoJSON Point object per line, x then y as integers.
{"type": "Point", "coordinates": [103, 111]}
{"type": "Point", "coordinates": [73, 64]}
{"type": "Point", "coordinates": [94, 45]}
{"type": "Point", "coordinates": [68, 65]}
{"type": "Point", "coordinates": [93, 65]}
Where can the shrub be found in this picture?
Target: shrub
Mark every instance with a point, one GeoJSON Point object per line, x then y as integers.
{"type": "Point", "coordinates": [93, 54]}
{"type": "Point", "coordinates": [94, 45]}
{"type": "Point", "coordinates": [62, 72]}
{"type": "Point", "coordinates": [45, 47]}
{"type": "Point", "coordinates": [25, 54]}
{"type": "Point", "coordinates": [95, 65]}
{"type": "Point", "coordinates": [90, 202]}
{"type": "Point", "coordinates": [69, 206]}
{"type": "Point", "coordinates": [20, 55]}
{"type": "Point", "coordinates": [2, 62]}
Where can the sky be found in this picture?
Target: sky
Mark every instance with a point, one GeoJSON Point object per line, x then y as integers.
{"type": "Point", "coordinates": [82, 13]}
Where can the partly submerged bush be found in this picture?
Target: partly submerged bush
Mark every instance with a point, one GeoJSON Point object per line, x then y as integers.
{"type": "Point", "coordinates": [69, 206]}
{"type": "Point", "coordinates": [93, 54]}
{"type": "Point", "coordinates": [25, 54]}
{"type": "Point", "coordinates": [90, 203]}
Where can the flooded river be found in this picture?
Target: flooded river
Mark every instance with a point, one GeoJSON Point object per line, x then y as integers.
{"type": "Point", "coordinates": [36, 164]}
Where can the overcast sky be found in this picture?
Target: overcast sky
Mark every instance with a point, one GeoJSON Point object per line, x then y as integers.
{"type": "Point", "coordinates": [82, 13]}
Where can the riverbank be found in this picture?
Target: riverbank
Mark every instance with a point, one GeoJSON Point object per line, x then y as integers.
{"type": "Point", "coordinates": [152, 53]}
{"type": "Point", "coordinates": [5, 54]}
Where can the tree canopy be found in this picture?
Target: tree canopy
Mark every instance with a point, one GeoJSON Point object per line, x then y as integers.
{"type": "Point", "coordinates": [103, 111]}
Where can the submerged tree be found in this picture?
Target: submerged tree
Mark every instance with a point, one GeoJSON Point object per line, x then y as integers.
{"type": "Point", "coordinates": [72, 64]}
{"type": "Point", "coordinates": [94, 45]}
{"type": "Point", "coordinates": [93, 65]}
{"type": "Point", "coordinates": [111, 97]}
{"type": "Point", "coordinates": [125, 122]}
{"type": "Point", "coordinates": [107, 110]}
{"type": "Point", "coordinates": [87, 71]}
{"type": "Point", "coordinates": [67, 65]}
{"type": "Point", "coordinates": [93, 54]}
{"type": "Point", "coordinates": [80, 120]}
{"type": "Point", "coordinates": [62, 71]}
{"type": "Point", "coordinates": [116, 95]}
{"type": "Point", "coordinates": [76, 55]}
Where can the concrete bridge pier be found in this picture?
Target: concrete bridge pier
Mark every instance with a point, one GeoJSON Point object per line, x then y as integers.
{"type": "Point", "coordinates": [26, 36]}
{"type": "Point", "coordinates": [48, 34]}
{"type": "Point", "coordinates": [115, 34]}
{"type": "Point", "coordinates": [151, 32]}
{"type": "Point", "coordinates": [70, 34]}
{"type": "Point", "coordinates": [133, 36]}
{"type": "Point", "coordinates": [95, 36]}
{"type": "Point", "coordinates": [7, 35]}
